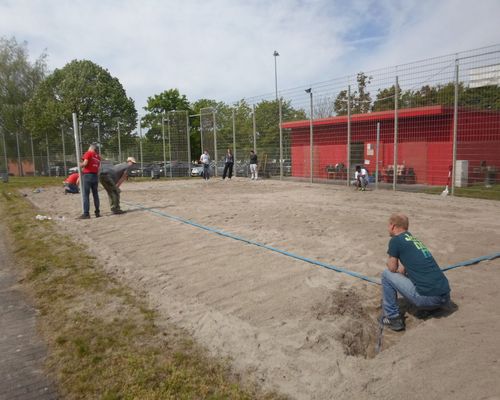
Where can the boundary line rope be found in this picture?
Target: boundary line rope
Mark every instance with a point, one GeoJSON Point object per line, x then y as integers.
{"type": "Point", "coordinates": [296, 256]}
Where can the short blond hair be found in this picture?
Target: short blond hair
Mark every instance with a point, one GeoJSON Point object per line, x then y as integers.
{"type": "Point", "coordinates": [399, 220]}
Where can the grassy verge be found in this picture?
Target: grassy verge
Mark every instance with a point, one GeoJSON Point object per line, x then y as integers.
{"type": "Point", "coordinates": [475, 191]}
{"type": "Point", "coordinates": [103, 339]}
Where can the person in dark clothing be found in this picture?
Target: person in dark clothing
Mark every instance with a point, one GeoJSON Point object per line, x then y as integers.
{"type": "Point", "coordinates": [111, 177]}
{"type": "Point", "coordinates": [228, 166]}
{"type": "Point", "coordinates": [412, 272]}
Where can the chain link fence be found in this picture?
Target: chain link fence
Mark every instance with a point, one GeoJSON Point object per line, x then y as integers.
{"type": "Point", "coordinates": [429, 123]}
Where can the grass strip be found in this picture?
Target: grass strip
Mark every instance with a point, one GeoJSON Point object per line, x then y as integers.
{"type": "Point", "coordinates": [478, 191]}
{"type": "Point", "coordinates": [102, 337]}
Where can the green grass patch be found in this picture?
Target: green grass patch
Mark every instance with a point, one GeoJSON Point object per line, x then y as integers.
{"type": "Point", "coordinates": [104, 340]}
{"type": "Point", "coordinates": [32, 182]}
{"type": "Point", "coordinates": [478, 191]}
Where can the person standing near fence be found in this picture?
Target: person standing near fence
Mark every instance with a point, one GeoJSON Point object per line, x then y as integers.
{"type": "Point", "coordinates": [412, 272]}
{"type": "Point", "coordinates": [90, 169]}
{"type": "Point", "coordinates": [253, 165]}
{"type": "Point", "coordinates": [111, 177]}
{"type": "Point", "coordinates": [228, 166]}
{"type": "Point", "coordinates": [205, 160]}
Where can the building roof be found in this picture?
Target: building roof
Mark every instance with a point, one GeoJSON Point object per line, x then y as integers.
{"type": "Point", "coordinates": [374, 116]}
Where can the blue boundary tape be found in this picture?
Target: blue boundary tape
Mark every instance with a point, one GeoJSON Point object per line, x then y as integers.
{"type": "Point", "coordinates": [305, 259]}
{"type": "Point", "coordinates": [471, 262]}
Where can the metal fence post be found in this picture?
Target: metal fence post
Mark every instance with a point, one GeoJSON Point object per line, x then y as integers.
{"type": "Point", "coordinates": [119, 144]}
{"type": "Point", "coordinates": [455, 130]}
{"type": "Point", "coordinates": [188, 142]}
{"type": "Point", "coordinates": [78, 154]}
{"type": "Point", "coordinates": [281, 137]}
{"type": "Point", "coordinates": [33, 154]}
{"type": "Point", "coordinates": [140, 146]}
{"type": "Point", "coordinates": [396, 106]}
{"type": "Point", "coordinates": [201, 132]}
{"type": "Point", "coordinates": [234, 141]}
{"type": "Point", "coordinates": [311, 138]}
{"type": "Point", "coordinates": [19, 164]}
{"type": "Point", "coordinates": [169, 144]}
{"type": "Point", "coordinates": [254, 130]}
{"type": "Point", "coordinates": [348, 135]}
{"type": "Point", "coordinates": [99, 136]}
{"type": "Point", "coordinates": [48, 157]}
{"type": "Point", "coordinates": [215, 142]}
{"type": "Point", "coordinates": [164, 151]}
{"type": "Point", "coordinates": [377, 154]}
{"type": "Point", "coordinates": [64, 149]}
{"type": "Point", "coordinates": [5, 151]}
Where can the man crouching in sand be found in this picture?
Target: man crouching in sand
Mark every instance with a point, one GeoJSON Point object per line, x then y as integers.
{"type": "Point", "coordinates": [412, 272]}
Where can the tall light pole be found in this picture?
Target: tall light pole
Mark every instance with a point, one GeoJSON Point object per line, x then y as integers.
{"type": "Point", "coordinates": [276, 54]}
{"type": "Point", "coordinates": [311, 135]}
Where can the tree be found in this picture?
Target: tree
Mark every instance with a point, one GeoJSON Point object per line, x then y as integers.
{"type": "Point", "coordinates": [90, 91]}
{"type": "Point", "coordinates": [19, 78]}
{"type": "Point", "coordinates": [485, 98]}
{"type": "Point", "coordinates": [267, 124]}
{"type": "Point", "coordinates": [385, 99]}
{"type": "Point", "coordinates": [324, 107]}
{"type": "Point", "coordinates": [157, 107]}
{"type": "Point", "coordinates": [360, 99]}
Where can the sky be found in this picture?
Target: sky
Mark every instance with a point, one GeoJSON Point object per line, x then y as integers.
{"type": "Point", "coordinates": [223, 49]}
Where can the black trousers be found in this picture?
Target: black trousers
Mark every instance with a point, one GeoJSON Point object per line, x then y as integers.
{"type": "Point", "coordinates": [228, 170]}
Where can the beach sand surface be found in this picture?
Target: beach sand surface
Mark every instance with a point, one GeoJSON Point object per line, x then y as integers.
{"type": "Point", "coordinates": [304, 330]}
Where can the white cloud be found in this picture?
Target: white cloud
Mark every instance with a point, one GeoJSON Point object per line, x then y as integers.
{"type": "Point", "coordinates": [222, 49]}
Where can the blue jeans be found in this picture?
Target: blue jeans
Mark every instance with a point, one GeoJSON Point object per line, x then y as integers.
{"type": "Point", "coordinates": [394, 282]}
{"type": "Point", "coordinates": [206, 171]}
{"type": "Point", "coordinates": [90, 183]}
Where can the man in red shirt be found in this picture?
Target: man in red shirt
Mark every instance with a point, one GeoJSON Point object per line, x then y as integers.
{"type": "Point", "coordinates": [90, 169]}
{"type": "Point", "coordinates": [71, 183]}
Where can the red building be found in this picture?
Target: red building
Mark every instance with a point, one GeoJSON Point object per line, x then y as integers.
{"type": "Point", "coordinates": [425, 143]}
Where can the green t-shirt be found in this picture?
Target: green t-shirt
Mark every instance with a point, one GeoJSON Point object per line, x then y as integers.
{"type": "Point", "coordinates": [421, 268]}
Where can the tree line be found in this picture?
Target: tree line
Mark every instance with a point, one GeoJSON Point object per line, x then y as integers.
{"type": "Point", "coordinates": [35, 105]}
{"type": "Point", "coordinates": [484, 97]}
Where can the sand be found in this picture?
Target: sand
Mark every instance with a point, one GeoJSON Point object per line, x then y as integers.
{"type": "Point", "coordinates": [295, 327]}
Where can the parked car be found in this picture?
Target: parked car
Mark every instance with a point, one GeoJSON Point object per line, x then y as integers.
{"type": "Point", "coordinates": [178, 169]}
{"type": "Point", "coordinates": [273, 168]}
{"type": "Point", "coordinates": [153, 170]}
{"type": "Point", "coordinates": [240, 169]}
{"type": "Point", "coordinates": [197, 170]}
{"type": "Point", "coordinates": [135, 172]}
